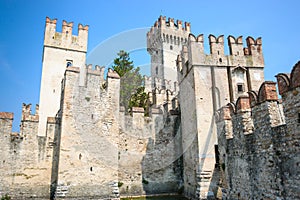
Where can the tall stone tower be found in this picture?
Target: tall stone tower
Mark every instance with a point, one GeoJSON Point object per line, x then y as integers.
{"type": "Point", "coordinates": [207, 82]}
{"type": "Point", "coordinates": [61, 50]}
{"type": "Point", "coordinates": [164, 43]}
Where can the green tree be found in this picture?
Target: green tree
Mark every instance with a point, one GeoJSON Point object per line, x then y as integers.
{"type": "Point", "coordinates": [139, 99]}
{"type": "Point", "coordinates": [122, 64]}
{"type": "Point", "coordinates": [131, 79]}
{"type": "Point", "coordinates": [6, 197]}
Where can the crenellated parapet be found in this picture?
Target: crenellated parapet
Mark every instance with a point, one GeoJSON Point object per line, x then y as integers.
{"type": "Point", "coordinates": [65, 39]}
{"type": "Point", "coordinates": [164, 42]}
{"type": "Point", "coordinates": [256, 136]}
{"type": "Point", "coordinates": [27, 114]}
{"type": "Point", "coordinates": [148, 83]}
{"type": "Point", "coordinates": [172, 86]}
{"type": "Point", "coordinates": [262, 108]}
{"type": "Point", "coordinates": [216, 44]}
{"type": "Point", "coordinates": [6, 115]}
{"type": "Point", "coordinates": [91, 75]}
{"type": "Point", "coordinates": [87, 72]}
{"type": "Point", "coordinates": [6, 121]}
{"type": "Point", "coordinates": [162, 97]}
{"type": "Point", "coordinates": [289, 89]}
{"type": "Point", "coordinates": [96, 70]}
{"type": "Point", "coordinates": [288, 82]}
{"type": "Point", "coordinates": [112, 74]}
{"type": "Point", "coordinates": [167, 31]}
{"type": "Point", "coordinates": [155, 82]}
{"type": "Point", "coordinates": [250, 56]}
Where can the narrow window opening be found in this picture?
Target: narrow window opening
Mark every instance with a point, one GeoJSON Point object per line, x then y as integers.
{"type": "Point", "coordinates": [237, 53]}
{"type": "Point", "coordinates": [298, 117]}
{"type": "Point", "coordinates": [69, 63]}
{"type": "Point", "coordinates": [53, 90]}
{"type": "Point", "coordinates": [156, 70]}
{"type": "Point", "coordinates": [171, 47]}
{"type": "Point", "coordinates": [91, 169]}
{"type": "Point", "coordinates": [220, 60]}
{"type": "Point", "coordinates": [217, 156]}
{"type": "Point", "coordinates": [80, 156]}
{"type": "Point", "coordinates": [218, 52]}
{"type": "Point", "coordinates": [92, 116]}
{"type": "Point", "coordinates": [240, 88]}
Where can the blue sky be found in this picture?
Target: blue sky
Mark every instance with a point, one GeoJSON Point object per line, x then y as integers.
{"type": "Point", "coordinates": [22, 30]}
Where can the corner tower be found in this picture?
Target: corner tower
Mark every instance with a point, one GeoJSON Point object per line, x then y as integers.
{"type": "Point", "coordinates": [164, 43]}
{"type": "Point", "coordinates": [61, 50]}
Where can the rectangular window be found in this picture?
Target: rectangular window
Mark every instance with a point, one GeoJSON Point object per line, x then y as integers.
{"type": "Point", "coordinates": [240, 88]}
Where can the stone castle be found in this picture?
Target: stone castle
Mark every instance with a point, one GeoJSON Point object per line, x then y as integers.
{"type": "Point", "coordinates": [215, 128]}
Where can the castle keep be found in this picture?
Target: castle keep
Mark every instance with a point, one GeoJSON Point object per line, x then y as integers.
{"type": "Point", "coordinates": [215, 128]}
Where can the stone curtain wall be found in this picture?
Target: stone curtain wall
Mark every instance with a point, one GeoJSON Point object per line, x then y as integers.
{"type": "Point", "coordinates": [25, 157]}
{"type": "Point", "coordinates": [88, 150]}
{"type": "Point", "coordinates": [259, 153]}
{"type": "Point", "coordinates": [149, 153]}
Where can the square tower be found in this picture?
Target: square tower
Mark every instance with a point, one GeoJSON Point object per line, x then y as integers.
{"type": "Point", "coordinates": [164, 43]}
{"type": "Point", "coordinates": [61, 50]}
{"type": "Point", "coordinates": [207, 82]}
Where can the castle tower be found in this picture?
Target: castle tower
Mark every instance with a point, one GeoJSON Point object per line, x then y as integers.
{"type": "Point", "coordinates": [207, 82]}
{"type": "Point", "coordinates": [61, 50]}
{"type": "Point", "coordinates": [164, 43]}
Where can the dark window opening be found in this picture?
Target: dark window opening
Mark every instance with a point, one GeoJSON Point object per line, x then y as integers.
{"type": "Point", "coordinates": [69, 63]}
{"type": "Point", "coordinates": [218, 52]}
{"type": "Point", "coordinates": [240, 88]}
{"type": "Point", "coordinates": [53, 90]}
{"type": "Point", "coordinates": [91, 169]}
{"type": "Point", "coordinates": [80, 156]}
{"type": "Point", "coordinates": [220, 60]}
{"type": "Point", "coordinates": [171, 47]}
{"type": "Point", "coordinates": [217, 156]}
{"type": "Point", "coordinates": [298, 117]}
{"type": "Point", "coordinates": [156, 70]}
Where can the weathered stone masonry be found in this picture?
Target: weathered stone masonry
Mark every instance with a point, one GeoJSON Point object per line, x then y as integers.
{"type": "Point", "coordinates": [207, 81]}
{"type": "Point", "coordinates": [259, 153]}
{"type": "Point", "coordinates": [79, 144]}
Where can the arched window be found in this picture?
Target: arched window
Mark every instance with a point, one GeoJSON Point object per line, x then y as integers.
{"type": "Point", "coordinates": [69, 63]}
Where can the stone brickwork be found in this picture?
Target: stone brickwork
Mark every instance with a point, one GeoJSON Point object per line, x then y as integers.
{"type": "Point", "coordinates": [164, 42]}
{"type": "Point", "coordinates": [206, 82]}
{"type": "Point", "coordinates": [61, 50]}
{"type": "Point", "coordinates": [86, 130]}
{"type": "Point", "coordinates": [258, 143]}
{"type": "Point", "coordinates": [25, 157]}
{"type": "Point", "coordinates": [153, 146]}
{"type": "Point", "coordinates": [79, 144]}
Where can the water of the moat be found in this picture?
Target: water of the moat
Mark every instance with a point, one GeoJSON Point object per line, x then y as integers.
{"type": "Point", "coordinates": [157, 198]}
